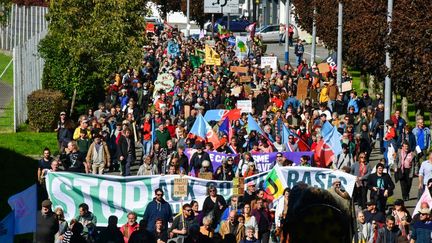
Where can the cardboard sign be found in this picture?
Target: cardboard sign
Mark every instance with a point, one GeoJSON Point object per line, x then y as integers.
{"type": "Point", "coordinates": [323, 68]}
{"type": "Point", "coordinates": [302, 89]}
{"type": "Point", "coordinates": [346, 86]}
{"type": "Point", "coordinates": [237, 69]}
{"type": "Point", "coordinates": [180, 187]}
{"type": "Point", "coordinates": [247, 89]}
{"type": "Point", "coordinates": [245, 79]}
{"type": "Point", "coordinates": [269, 61]}
{"type": "Point", "coordinates": [245, 106]}
{"type": "Point", "coordinates": [206, 175]}
{"type": "Point", "coordinates": [238, 186]}
{"type": "Point", "coordinates": [236, 90]}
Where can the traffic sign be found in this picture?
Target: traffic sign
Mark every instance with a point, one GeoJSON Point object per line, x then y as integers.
{"type": "Point", "coordinates": [221, 6]}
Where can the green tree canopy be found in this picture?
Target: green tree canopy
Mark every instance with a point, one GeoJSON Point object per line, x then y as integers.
{"type": "Point", "coordinates": [89, 40]}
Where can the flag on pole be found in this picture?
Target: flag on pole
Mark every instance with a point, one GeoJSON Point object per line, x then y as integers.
{"type": "Point", "coordinates": [202, 129]}
{"type": "Point", "coordinates": [251, 29]}
{"type": "Point", "coordinates": [214, 115]}
{"type": "Point", "coordinates": [153, 134]}
{"type": "Point", "coordinates": [24, 205]}
{"type": "Point", "coordinates": [253, 126]}
{"type": "Point", "coordinates": [241, 47]}
{"type": "Point", "coordinates": [323, 154]}
{"type": "Point", "coordinates": [223, 33]}
{"type": "Point", "coordinates": [332, 138]}
{"type": "Point", "coordinates": [224, 127]}
{"type": "Point", "coordinates": [302, 145]}
{"type": "Point", "coordinates": [7, 230]}
{"type": "Point", "coordinates": [273, 185]}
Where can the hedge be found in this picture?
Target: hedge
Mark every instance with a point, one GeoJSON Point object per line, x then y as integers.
{"type": "Point", "coordinates": [44, 107]}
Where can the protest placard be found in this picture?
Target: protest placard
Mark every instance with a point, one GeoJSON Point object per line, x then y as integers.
{"type": "Point", "coordinates": [346, 86]}
{"type": "Point", "coordinates": [245, 106]}
{"type": "Point", "coordinates": [323, 68]}
{"type": "Point", "coordinates": [238, 186]}
{"type": "Point", "coordinates": [269, 61]}
{"type": "Point", "coordinates": [180, 187]}
{"type": "Point", "coordinates": [245, 79]}
{"type": "Point", "coordinates": [302, 89]}
{"type": "Point", "coordinates": [237, 69]}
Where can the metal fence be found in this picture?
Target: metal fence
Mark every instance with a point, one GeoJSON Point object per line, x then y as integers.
{"type": "Point", "coordinates": [23, 24]}
{"type": "Point", "coordinates": [28, 68]}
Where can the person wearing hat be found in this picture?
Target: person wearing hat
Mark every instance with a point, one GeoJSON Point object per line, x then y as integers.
{"type": "Point", "coordinates": [46, 224]}
{"type": "Point", "coordinates": [197, 159]}
{"type": "Point", "coordinates": [98, 156]}
{"type": "Point", "coordinates": [372, 214]}
{"type": "Point", "coordinates": [225, 171]}
{"type": "Point", "coordinates": [421, 230]}
{"type": "Point", "coordinates": [84, 124]}
{"type": "Point", "coordinates": [64, 131]}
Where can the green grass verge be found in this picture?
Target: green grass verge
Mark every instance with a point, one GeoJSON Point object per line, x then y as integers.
{"type": "Point", "coordinates": [6, 119]}
{"type": "Point", "coordinates": [29, 143]}
{"type": "Point", "coordinates": [8, 76]}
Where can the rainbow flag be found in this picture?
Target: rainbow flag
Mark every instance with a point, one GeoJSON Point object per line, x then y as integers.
{"type": "Point", "coordinates": [273, 185]}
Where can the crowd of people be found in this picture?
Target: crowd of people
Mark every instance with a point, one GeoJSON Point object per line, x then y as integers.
{"type": "Point", "coordinates": [137, 117]}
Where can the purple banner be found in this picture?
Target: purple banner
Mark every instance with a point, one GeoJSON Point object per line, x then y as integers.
{"type": "Point", "coordinates": [263, 161]}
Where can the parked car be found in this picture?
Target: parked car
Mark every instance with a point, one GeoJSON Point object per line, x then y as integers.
{"type": "Point", "coordinates": [270, 33]}
{"type": "Point", "coordinates": [237, 23]}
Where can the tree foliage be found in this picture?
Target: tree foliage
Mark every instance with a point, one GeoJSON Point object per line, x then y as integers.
{"type": "Point", "coordinates": [411, 50]}
{"type": "Point", "coordinates": [87, 41]}
{"type": "Point", "coordinates": [364, 30]}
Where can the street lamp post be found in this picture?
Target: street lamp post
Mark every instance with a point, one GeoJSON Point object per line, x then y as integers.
{"type": "Point", "coordinates": [313, 50]}
{"type": "Point", "coordinates": [287, 24]}
{"type": "Point", "coordinates": [188, 18]}
{"type": "Point", "coordinates": [387, 81]}
{"type": "Point", "coordinates": [339, 45]}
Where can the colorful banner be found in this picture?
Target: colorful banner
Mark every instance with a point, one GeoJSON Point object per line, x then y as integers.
{"type": "Point", "coordinates": [211, 56]}
{"type": "Point", "coordinates": [114, 195]}
{"type": "Point", "coordinates": [263, 161]}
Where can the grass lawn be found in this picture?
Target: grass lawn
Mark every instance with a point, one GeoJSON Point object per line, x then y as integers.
{"type": "Point", "coordinates": [28, 143]}
{"type": "Point", "coordinates": [8, 76]}
{"type": "Point", "coordinates": [6, 121]}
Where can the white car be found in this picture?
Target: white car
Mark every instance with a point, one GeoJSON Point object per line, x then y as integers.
{"type": "Point", "coordinates": [270, 33]}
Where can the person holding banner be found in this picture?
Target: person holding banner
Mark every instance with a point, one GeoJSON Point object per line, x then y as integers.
{"type": "Point", "coordinates": [182, 224]}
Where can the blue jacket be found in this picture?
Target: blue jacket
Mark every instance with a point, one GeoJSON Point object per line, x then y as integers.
{"type": "Point", "coordinates": [354, 103]}
{"type": "Point", "coordinates": [293, 101]}
{"type": "Point", "coordinates": [421, 231]}
{"type": "Point", "coordinates": [427, 136]}
{"type": "Point", "coordinates": [156, 210]}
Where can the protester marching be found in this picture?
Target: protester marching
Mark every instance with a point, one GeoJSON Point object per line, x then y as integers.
{"type": "Point", "coordinates": [212, 140]}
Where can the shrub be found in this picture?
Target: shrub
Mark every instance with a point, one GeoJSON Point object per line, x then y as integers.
{"type": "Point", "coordinates": [44, 107]}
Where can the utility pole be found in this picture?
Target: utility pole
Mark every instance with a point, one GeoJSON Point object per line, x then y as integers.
{"type": "Point", "coordinates": [287, 24]}
{"type": "Point", "coordinates": [313, 50]}
{"type": "Point", "coordinates": [387, 82]}
{"type": "Point", "coordinates": [339, 45]}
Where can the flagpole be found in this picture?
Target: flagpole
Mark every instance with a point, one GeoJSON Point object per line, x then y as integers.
{"type": "Point", "coordinates": [313, 51]}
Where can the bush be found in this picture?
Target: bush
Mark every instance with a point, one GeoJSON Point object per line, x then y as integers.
{"type": "Point", "coordinates": [44, 107]}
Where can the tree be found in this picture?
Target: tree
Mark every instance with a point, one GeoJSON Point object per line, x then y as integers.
{"type": "Point", "coordinates": [89, 40]}
{"type": "Point", "coordinates": [364, 26]}
{"type": "Point", "coordinates": [411, 50]}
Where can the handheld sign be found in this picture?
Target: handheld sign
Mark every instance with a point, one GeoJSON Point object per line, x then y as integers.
{"type": "Point", "coordinates": [180, 187]}
{"type": "Point", "coordinates": [238, 186]}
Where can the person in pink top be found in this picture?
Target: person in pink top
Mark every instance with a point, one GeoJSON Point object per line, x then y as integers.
{"type": "Point", "coordinates": [404, 169]}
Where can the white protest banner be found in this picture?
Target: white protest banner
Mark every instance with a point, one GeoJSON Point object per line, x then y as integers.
{"type": "Point", "coordinates": [114, 195]}
{"type": "Point", "coordinates": [245, 106]}
{"type": "Point", "coordinates": [163, 82]}
{"type": "Point", "coordinates": [269, 61]}
{"type": "Point", "coordinates": [317, 177]}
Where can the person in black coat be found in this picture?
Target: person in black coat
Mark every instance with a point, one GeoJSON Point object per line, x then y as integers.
{"type": "Point", "coordinates": [381, 186]}
{"type": "Point", "coordinates": [112, 232]}
{"type": "Point", "coordinates": [198, 157]}
{"type": "Point", "coordinates": [214, 205]}
{"type": "Point", "coordinates": [126, 151]}
{"type": "Point", "coordinates": [47, 224]}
